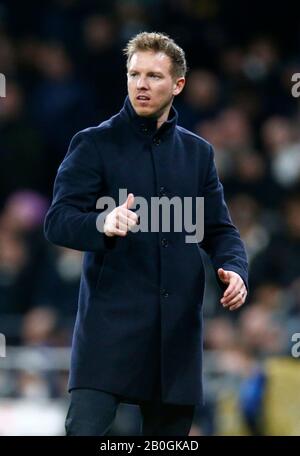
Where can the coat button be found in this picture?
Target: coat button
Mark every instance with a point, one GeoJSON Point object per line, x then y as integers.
{"type": "Point", "coordinates": [164, 242]}
{"type": "Point", "coordinates": [157, 141]}
{"type": "Point", "coordinates": [164, 293]}
{"type": "Point", "coordinates": [144, 129]}
{"type": "Point", "coordinates": [162, 191]}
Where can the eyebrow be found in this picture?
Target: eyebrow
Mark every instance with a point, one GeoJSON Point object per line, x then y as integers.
{"type": "Point", "coordinates": [148, 72]}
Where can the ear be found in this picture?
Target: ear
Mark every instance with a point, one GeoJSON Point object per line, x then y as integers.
{"type": "Point", "coordinates": [178, 86]}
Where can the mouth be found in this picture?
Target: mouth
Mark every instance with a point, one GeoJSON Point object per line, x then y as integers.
{"type": "Point", "coordinates": [142, 98]}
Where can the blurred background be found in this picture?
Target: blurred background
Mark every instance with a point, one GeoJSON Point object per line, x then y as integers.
{"type": "Point", "coordinates": [65, 71]}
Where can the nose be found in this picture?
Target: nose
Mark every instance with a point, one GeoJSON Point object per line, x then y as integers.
{"type": "Point", "coordinates": [142, 83]}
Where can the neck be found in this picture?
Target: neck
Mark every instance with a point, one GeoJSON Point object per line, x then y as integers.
{"type": "Point", "coordinates": [163, 117]}
{"type": "Point", "coordinates": [160, 121]}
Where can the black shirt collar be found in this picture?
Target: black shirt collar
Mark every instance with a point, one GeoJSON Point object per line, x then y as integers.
{"type": "Point", "coordinates": [147, 126]}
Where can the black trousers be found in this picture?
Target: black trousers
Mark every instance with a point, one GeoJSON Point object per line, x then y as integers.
{"type": "Point", "coordinates": [92, 413]}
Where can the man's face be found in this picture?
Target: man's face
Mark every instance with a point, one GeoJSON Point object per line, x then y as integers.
{"type": "Point", "coordinates": [151, 86]}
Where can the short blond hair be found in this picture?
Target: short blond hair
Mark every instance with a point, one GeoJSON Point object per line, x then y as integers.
{"type": "Point", "coordinates": [158, 42]}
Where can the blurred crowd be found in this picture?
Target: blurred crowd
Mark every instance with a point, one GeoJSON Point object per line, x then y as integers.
{"type": "Point", "coordinates": [65, 71]}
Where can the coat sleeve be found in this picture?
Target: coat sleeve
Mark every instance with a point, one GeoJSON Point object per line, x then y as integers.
{"type": "Point", "coordinates": [222, 241]}
{"type": "Point", "coordinates": [71, 220]}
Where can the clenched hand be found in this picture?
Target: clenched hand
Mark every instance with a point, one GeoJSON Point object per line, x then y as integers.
{"type": "Point", "coordinates": [121, 220]}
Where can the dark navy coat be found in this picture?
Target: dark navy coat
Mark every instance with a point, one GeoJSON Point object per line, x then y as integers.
{"type": "Point", "coordinates": [139, 322]}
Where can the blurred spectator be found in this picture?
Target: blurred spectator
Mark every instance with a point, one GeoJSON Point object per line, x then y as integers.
{"type": "Point", "coordinates": [261, 58]}
{"type": "Point", "coordinates": [7, 56]}
{"type": "Point", "coordinates": [15, 287]}
{"type": "Point", "coordinates": [245, 213]}
{"type": "Point", "coordinates": [282, 142]}
{"type": "Point", "coordinates": [58, 281]}
{"type": "Point", "coordinates": [60, 104]}
{"type": "Point", "coordinates": [237, 130]}
{"type": "Point", "coordinates": [219, 334]}
{"type": "Point", "coordinates": [279, 261]}
{"type": "Point", "coordinates": [251, 177]}
{"type": "Point", "coordinates": [260, 333]}
{"type": "Point", "coordinates": [23, 212]}
{"type": "Point", "coordinates": [21, 253]}
{"type": "Point", "coordinates": [200, 99]}
{"type": "Point", "coordinates": [39, 327]}
{"type": "Point", "coordinates": [101, 62]}
{"type": "Point", "coordinates": [132, 17]}
{"type": "Point", "coordinates": [21, 150]}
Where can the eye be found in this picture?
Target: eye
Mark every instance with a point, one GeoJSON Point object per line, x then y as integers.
{"type": "Point", "coordinates": [155, 76]}
{"type": "Point", "coordinates": [132, 75]}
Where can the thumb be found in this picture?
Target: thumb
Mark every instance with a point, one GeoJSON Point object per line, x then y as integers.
{"type": "Point", "coordinates": [223, 275]}
{"type": "Point", "coordinates": [129, 202]}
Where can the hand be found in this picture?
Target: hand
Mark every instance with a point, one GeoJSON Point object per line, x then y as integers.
{"type": "Point", "coordinates": [120, 220]}
{"type": "Point", "coordinates": [236, 292]}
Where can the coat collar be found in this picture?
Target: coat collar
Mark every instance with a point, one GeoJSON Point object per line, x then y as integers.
{"type": "Point", "coordinates": [145, 126]}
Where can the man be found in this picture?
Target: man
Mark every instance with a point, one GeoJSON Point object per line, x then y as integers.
{"type": "Point", "coordinates": [138, 331]}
